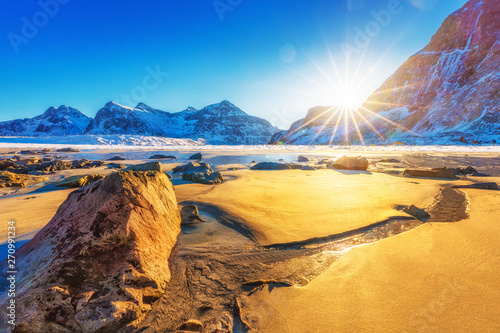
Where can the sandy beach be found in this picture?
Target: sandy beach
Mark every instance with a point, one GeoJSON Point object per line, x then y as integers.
{"type": "Point", "coordinates": [427, 277]}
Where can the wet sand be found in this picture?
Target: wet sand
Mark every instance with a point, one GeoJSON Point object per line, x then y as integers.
{"type": "Point", "coordinates": [436, 278]}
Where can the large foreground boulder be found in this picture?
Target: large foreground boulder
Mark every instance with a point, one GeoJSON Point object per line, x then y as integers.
{"type": "Point", "coordinates": [102, 261]}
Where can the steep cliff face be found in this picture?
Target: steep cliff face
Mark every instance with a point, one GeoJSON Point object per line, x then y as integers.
{"type": "Point", "coordinates": [452, 87]}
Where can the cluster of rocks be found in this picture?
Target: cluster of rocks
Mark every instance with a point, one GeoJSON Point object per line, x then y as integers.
{"type": "Point", "coordinates": [444, 172]}
{"type": "Point", "coordinates": [476, 142]}
{"type": "Point", "coordinates": [68, 150]}
{"type": "Point", "coordinates": [45, 165]}
{"type": "Point", "coordinates": [200, 173]}
{"type": "Point", "coordinates": [343, 163]}
{"type": "Point", "coordinates": [480, 186]}
{"type": "Point", "coordinates": [9, 179]}
{"type": "Point", "coordinates": [43, 151]}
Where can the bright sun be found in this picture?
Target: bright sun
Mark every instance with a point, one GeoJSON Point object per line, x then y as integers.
{"type": "Point", "coordinates": [348, 98]}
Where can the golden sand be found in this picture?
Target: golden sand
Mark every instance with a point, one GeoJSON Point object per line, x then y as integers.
{"type": "Point", "coordinates": [293, 205]}
{"type": "Point", "coordinates": [436, 278]}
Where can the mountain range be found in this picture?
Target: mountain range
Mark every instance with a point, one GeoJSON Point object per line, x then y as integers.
{"type": "Point", "coordinates": [447, 93]}
{"type": "Point", "coordinates": [221, 123]}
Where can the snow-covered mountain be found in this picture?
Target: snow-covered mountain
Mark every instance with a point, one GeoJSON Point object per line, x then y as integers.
{"type": "Point", "coordinates": [221, 123]}
{"type": "Point", "coordinates": [452, 87]}
{"type": "Point", "coordinates": [322, 125]}
{"type": "Point", "coordinates": [448, 90]}
{"type": "Point", "coordinates": [55, 121]}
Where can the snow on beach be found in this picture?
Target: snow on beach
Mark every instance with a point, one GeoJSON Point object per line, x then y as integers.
{"type": "Point", "coordinates": [138, 142]}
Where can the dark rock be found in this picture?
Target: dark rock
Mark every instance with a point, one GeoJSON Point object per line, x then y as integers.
{"type": "Point", "coordinates": [190, 215]}
{"type": "Point", "coordinates": [208, 178]}
{"type": "Point", "coordinates": [68, 150]}
{"type": "Point", "coordinates": [416, 212]}
{"type": "Point", "coordinates": [389, 160]}
{"type": "Point", "coordinates": [150, 166]}
{"type": "Point", "coordinates": [325, 161]}
{"type": "Point", "coordinates": [463, 171]}
{"type": "Point", "coordinates": [55, 166]}
{"type": "Point", "coordinates": [6, 164]}
{"type": "Point", "coordinates": [29, 152]}
{"type": "Point", "coordinates": [102, 260]}
{"type": "Point", "coordinates": [433, 173]}
{"type": "Point", "coordinates": [481, 186]}
{"type": "Point", "coordinates": [196, 156]}
{"type": "Point", "coordinates": [118, 166]}
{"type": "Point", "coordinates": [199, 173]}
{"type": "Point", "coordinates": [308, 168]}
{"type": "Point", "coordinates": [160, 157]}
{"type": "Point", "coordinates": [304, 159]}
{"type": "Point", "coordinates": [295, 166]}
{"type": "Point", "coordinates": [270, 166]}
{"type": "Point", "coordinates": [350, 163]}
{"type": "Point", "coordinates": [117, 158]}
{"type": "Point", "coordinates": [192, 167]}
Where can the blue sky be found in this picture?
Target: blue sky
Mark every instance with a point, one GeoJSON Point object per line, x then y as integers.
{"type": "Point", "coordinates": [270, 58]}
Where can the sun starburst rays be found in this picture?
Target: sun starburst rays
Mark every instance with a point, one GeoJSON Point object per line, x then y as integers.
{"type": "Point", "coordinates": [357, 113]}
